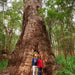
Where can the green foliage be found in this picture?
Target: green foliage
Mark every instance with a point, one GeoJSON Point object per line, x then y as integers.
{"type": "Point", "coordinates": [67, 68]}
{"type": "Point", "coordinates": [10, 24]}
{"type": "Point", "coordinates": [58, 22]}
{"type": "Point", "coordinates": [40, 11]}
{"type": "Point", "coordinates": [52, 13]}
{"type": "Point", "coordinates": [2, 36]}
{"type": "Point", "coordinates": [2, 41]}
{"type": "Point", "coordinates": [62, 61]}
{"type": "Point", "coordinates": [65, 72]}
{"type": "Point", "coordinates": [3, 64]}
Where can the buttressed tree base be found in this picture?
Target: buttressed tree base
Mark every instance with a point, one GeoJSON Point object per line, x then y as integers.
{"type": "Point", "coordinates": [33, 36]}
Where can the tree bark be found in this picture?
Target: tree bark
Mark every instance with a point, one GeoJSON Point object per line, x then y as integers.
{"type": "Point", "coordinates": [58, 49]}
{"type": "Point", "coordinates": [49, 34]}
{"type": "Point", "coordinates": [64, 51]}
{"type": "Point", "coordinates": [70, 48]}
{"type": "Point", "coordinates": [33, 35]}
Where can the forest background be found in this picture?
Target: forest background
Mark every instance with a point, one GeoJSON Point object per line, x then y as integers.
{"type": "Point", "coordinates": [59, 16]}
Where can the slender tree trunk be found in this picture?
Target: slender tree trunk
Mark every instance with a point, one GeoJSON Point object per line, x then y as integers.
{"type": "Point", "coordinates": [58, 49]}
{"type": "Point", "coordinates": [73, 34]}
{"type": "Point", "coordinates": [49, 33]}
{"type": "Point", "coordinates": [64, 43]}
{"type": "Point", "coordinates": [33, 35]}
{"type": "Point", "coordinates": [70, 48]}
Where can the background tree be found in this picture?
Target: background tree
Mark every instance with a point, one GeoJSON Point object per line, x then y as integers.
{"type": "Point", "coordinates": [11, 24]}
{"type": "Point", "coordinates": [60, 25]}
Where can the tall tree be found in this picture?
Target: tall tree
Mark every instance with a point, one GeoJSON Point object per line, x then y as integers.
{"type": "Point", "coordinates": [59, 13]}
{"type": "Point", "coordinates": [10, 24]}
{"type": "Point", "coordinates": [33, 36]}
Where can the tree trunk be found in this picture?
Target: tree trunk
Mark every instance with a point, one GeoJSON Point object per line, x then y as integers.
{"type": "Point", "coordinates": [70, 48]}
{"type": "Point", "coordinates": [33, 36]}
{"type": "Point", "coordinates": [64, 51]}
{"type": "Point", "coordinates": [49, 33]}
{"type": "Point", "coordinates": [59, 49]}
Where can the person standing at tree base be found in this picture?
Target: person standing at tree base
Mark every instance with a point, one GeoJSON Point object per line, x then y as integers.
{"type": "Point", "coordinates": [40, 65]}
{"type": "Point", "coordinates": [34, 64]}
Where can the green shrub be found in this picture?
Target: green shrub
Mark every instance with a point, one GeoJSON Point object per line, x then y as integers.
{"type": "Point", "coordinates": [64, 72]}
{"type": "Point", "coordinates": [67, 68]}
{"type": "Point", "coordinates": [3, 64]}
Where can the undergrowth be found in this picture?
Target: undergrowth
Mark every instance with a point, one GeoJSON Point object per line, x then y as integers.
{"type": "Point", "coordinates": [3, 64]}
{"type": "Point", "coordinates": [67, 68]}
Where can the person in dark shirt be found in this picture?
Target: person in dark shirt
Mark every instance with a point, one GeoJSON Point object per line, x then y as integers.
{"type": "Point", "coordinates": [34, 64]}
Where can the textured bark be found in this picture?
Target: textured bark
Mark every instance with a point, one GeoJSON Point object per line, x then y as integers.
{"type": "Point", "coordinates": [33, 36]}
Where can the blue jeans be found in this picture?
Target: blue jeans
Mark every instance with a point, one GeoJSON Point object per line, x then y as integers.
{"type": "Point", "coordinates": [39, 71]}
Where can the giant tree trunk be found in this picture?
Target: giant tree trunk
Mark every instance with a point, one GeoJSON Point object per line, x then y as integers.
{"type": "Point", "coordinates": [33, 36]}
